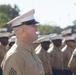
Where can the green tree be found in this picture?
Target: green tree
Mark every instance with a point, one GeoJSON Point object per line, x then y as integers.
{"type": "Point", "coordinates": [47, 29]}
{"type": "Point", "coordinates": [3, 20]}
{"type": "Point", "coordinates": [44, 29]}
{"type": "Point", "coordinates": [11, 12]}
{"type": "Point", "coordinates": [56, 29]}
{"type": "Point", "coordinates": [7, 12]}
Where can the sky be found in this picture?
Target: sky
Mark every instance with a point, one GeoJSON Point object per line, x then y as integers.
{"type": "Point", "coordinates": [54, 12]}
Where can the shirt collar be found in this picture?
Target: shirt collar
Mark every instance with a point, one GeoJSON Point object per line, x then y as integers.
{"type": "Point", "coordinates": [24, 45]}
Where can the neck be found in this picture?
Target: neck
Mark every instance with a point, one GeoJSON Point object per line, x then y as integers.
{"type": "Point", "coordinates": [25, 40]}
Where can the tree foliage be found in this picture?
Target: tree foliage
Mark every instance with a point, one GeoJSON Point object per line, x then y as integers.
{"type": "Point", "coordinates": [7, 12]}
{"type": "Point", "coordinates": [3, 20]}
{"type": "Point", "coordinates": [10, 11]}
{"type": "Point", "coordinates": [56, 29]}
{"type": "Point", "coordinates": [47, 29]}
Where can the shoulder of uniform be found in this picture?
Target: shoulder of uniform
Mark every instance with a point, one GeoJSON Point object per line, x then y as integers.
{"type": "Point", "coordinates": [64, 48]}
{"type": "Point", "coordinates": [38, 49]}
{"type": "Point", "coordinates": [74, 54]}
{"type": "Point", "coordinates": [51, 51]}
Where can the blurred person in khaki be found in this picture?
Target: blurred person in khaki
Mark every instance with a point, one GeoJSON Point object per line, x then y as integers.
{"type": "Point", "coordinates": [11, 41]}
{"type": "Point", "coordinates": [56, 58]}
{"type": "Point", "coordinates": [36, 44]}
{"type": "Point", "coordinates": [67, 52]}
{"type": "Point", "coordinates": [42, 53]}
{"type": "Point", "coordinates": [72, 61]}
{"type": "Point", "coordinates": [21, 58]}
{"type": "Point", "coordinates": [65, 33]}
{"type": "Point", "coordinates": [3, 45]}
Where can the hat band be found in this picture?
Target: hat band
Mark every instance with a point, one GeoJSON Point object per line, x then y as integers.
{"type": "Point", "coordinates": [71, 40]}
{"type": "Point", "coordinates": [30, 22]}
{"type": "Point", "coordinates": [33, 21]}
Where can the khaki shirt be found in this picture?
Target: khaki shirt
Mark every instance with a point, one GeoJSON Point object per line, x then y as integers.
{"type": "Point", "coordinates": [67, 52]}
{"type": "Point", "coordinates": [22, 60]}
{"type": "Point", "coordinates": [72, 62]}
{"type": "Point", "coordinates": [44, 57]}
{"type": "Point", "coordinates": [56, 57]}
{"type": "Point", "coordinates": [2, 52]}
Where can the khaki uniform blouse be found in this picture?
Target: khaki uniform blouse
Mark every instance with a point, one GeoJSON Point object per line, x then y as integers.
{"type": "Point", "coordinates": [22, 60]}
{"type": "Point", "coordinates": [44, 57]}
{"type": "Point", "coordinates": [67, 52]}
{"type": "Point", "coordinates": [56, 58]}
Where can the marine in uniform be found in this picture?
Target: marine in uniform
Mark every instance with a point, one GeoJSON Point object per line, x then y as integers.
{"type": "Point", "coordinates": [65, 33]}
{"type": "Point", "coordinates": [67, 52]}
{"type": "Point", "coordinates": [21, 58]}
{"type": "Point", "coordinates": [3, 43]}
{"type": "Point", "coordinates": [56, 55]}
{"type": "Point", "coordinates": [41, 51]}
{"type": "Point", "coordinates": [11, 41]}
{"type": "Point", "coordinates": [72, 62]}
{"type": "Point", "coordinates": [36, 44]}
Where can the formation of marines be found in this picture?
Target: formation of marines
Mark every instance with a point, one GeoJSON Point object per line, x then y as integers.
{"type": "Point", "coordinates": [23, 52]}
